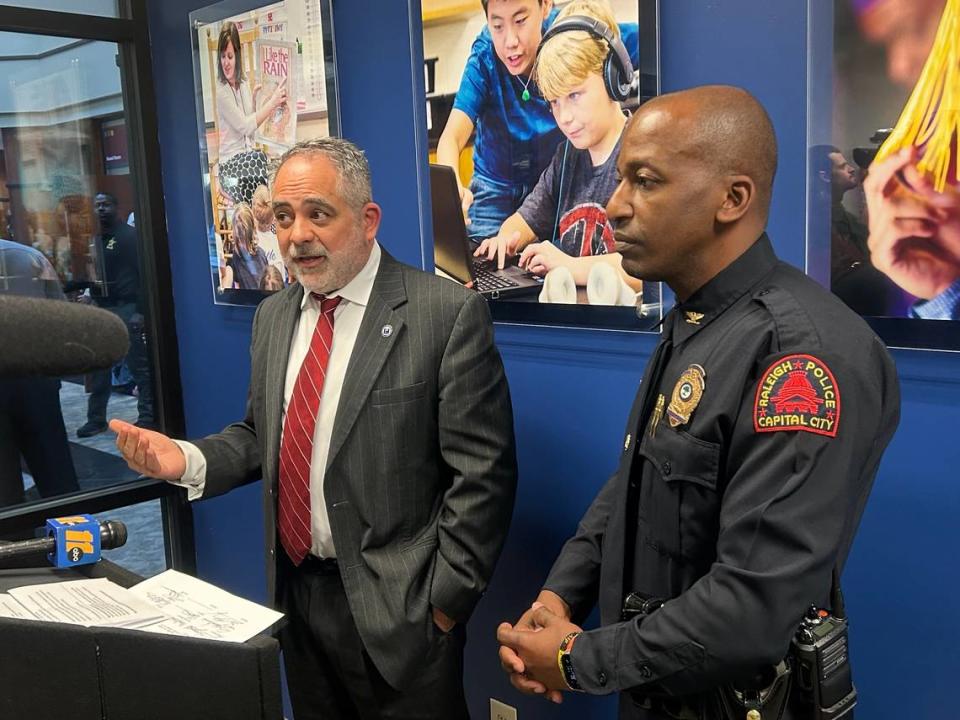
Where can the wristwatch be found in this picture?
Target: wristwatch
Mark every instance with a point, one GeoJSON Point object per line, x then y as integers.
{"type": "Point", "coordinates": [565, 661]}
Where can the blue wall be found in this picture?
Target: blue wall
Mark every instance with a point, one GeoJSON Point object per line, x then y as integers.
{"type": "Point", "coordinates": [572, 389]}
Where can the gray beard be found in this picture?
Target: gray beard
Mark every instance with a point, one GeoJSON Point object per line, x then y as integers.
{"type": "Point", "coordinates": [347, 268]}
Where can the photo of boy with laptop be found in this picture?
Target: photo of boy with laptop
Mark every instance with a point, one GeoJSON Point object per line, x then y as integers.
{"type": "Point", "coordinates": [584, 72]}
{"type": "Point", "coordinates": [499, 106]}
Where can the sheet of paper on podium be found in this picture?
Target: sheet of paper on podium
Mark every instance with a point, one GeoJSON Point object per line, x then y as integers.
{"type": "Point", "coordinates": [10, 608]}
{"type": "Point", "coordinates": [97, 602]}
{"type": "Point", "coordinates": [195, 608]}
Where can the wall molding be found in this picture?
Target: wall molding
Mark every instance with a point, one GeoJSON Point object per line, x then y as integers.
{"type": "Point", "coordinates": [573, 346]}
{"type": "Point", "coordinates": [927, 369]}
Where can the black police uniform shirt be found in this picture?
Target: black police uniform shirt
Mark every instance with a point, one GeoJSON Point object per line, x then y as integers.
{"type": "Point", "coordinates": [120, 266]}
{"type": "Point", "coordinates": [747, 461]}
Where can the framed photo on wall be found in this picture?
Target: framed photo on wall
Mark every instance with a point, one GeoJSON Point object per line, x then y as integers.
{"type": "Point", "coordinates": [868, 57]}
{"type": "Point", "coordinates": [265, 77]}
{"type": "Point", "coordinates": [526, 101]}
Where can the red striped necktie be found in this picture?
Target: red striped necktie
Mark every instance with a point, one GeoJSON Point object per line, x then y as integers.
{"type": "Point", "coordinates": [296, 446]}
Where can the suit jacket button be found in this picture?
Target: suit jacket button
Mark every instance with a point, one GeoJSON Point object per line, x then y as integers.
{"type": "Point", "coordinates": [602, 678]}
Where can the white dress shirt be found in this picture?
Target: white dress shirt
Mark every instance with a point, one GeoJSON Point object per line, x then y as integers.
{"type": "Point", "coordinates": [346, 324]}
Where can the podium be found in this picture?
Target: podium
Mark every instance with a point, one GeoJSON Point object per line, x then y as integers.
{"type": "Point", "coordinates": [53, 670]}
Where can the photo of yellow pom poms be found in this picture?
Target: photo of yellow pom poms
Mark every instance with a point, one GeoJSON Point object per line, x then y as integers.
{"type": "Point", "coordinates": [931, 118]}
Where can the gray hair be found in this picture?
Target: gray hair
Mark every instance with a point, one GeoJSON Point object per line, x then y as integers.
{"type": "Point", "coordinates": [353, 170]}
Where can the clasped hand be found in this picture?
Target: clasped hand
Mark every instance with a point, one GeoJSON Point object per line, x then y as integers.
{"type": "Point", "coordinates": [528, 649]}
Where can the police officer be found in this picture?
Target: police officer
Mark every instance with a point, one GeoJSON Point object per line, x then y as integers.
{"type": "Point", "coordinates": [750, 449]}
{"type": "Point", "coordinates": [117, 289]}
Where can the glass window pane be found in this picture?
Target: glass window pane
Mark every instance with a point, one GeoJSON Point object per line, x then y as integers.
{"type": "Point", "coordinates": [100, 8]}
{"type": "Point", "coordinates": [143, 552]}
{"type": "Point", "coordinates": [68, 231]}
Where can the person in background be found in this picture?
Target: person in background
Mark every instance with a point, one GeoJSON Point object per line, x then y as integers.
{"type": "Point", "coordinates": [31, 421]}
{"type": "Point", "coordinates": [116, 287]}
{"type": "Point", "coordinates": [379, 418]}
{"type": "Point", "coordinates": [266, 230]}
{"type": "Point", "coordinates": [515, 132]}
{"type": "Point", "coordinates": [247, 260]}
{"type": "Point", "coordinates": [242, 168]}
{"type": "Point", "coordinates": [853, 278]}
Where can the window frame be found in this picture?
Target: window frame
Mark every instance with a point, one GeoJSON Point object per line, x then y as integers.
{"type": "Point", "coordinates": [131, 34]}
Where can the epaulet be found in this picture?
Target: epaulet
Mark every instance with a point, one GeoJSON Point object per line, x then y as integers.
{"type": "Point", "coordinates": [793, 323]}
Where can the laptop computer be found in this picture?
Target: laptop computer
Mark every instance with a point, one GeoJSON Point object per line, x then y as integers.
{"type": "Point", "coordinates": [453, 250]}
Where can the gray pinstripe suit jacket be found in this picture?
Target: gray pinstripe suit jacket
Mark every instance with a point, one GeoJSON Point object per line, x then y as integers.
{"type": "Point", "coordinates": [421, 473]}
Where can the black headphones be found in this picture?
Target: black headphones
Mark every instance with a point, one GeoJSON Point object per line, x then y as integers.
{"type": "Point", "coordinates": [617, 68]}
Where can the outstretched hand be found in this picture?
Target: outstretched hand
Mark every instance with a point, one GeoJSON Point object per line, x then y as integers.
{"type": "Point", "coordinates": [148, 452]}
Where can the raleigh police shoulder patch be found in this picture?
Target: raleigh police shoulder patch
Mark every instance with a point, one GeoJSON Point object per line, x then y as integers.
{"type": "Point", "coordinates": [797, 392]}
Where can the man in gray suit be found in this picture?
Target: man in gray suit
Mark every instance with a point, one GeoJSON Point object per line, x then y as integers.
{"type": "Point", "coordinates": [379, 419]}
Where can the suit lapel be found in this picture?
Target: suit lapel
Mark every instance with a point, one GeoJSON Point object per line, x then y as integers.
{"type": "Point", "coordinates": [373, 346]}
{"type": "Point", "coordinates": [278, 354]}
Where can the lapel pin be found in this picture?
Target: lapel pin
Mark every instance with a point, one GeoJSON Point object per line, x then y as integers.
{"type": "Point", "coordinates": [386, 331]}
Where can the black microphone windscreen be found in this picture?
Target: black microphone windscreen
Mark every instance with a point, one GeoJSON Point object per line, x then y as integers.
{"type": "Point", "coordinates": [113, 534]}
{"type": "Point", "coordinates": [53, 338]}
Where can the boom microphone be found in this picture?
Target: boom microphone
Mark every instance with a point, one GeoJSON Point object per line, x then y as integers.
{"type": "Point", "coordinates": [54, 338]}
{"type": "Point", "coordinates": [71, 541]}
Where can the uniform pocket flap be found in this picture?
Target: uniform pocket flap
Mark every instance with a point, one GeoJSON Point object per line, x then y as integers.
{"type": "Point", "coordinates": [678, 455]}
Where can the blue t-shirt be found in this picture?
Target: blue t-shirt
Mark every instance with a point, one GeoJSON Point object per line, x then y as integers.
{"type": "Point", "coordinates": [568, 205]}
{"type": "Point", "coordinates": [515, 139]}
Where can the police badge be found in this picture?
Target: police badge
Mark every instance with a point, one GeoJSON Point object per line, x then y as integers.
{"type": "Point", "coordinates": [686, 395]}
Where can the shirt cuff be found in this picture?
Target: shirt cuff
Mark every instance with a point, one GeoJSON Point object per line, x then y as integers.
{"type": "Point", "coordinates": [195, 477]}
{"type": "Point", "coordinates": [612, 659]}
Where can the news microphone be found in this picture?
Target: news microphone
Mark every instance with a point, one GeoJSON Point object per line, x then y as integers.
{"type": "Point", "coordinates": [70, 541]}
{"type": "Point", "coordinates": [54, 338]}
